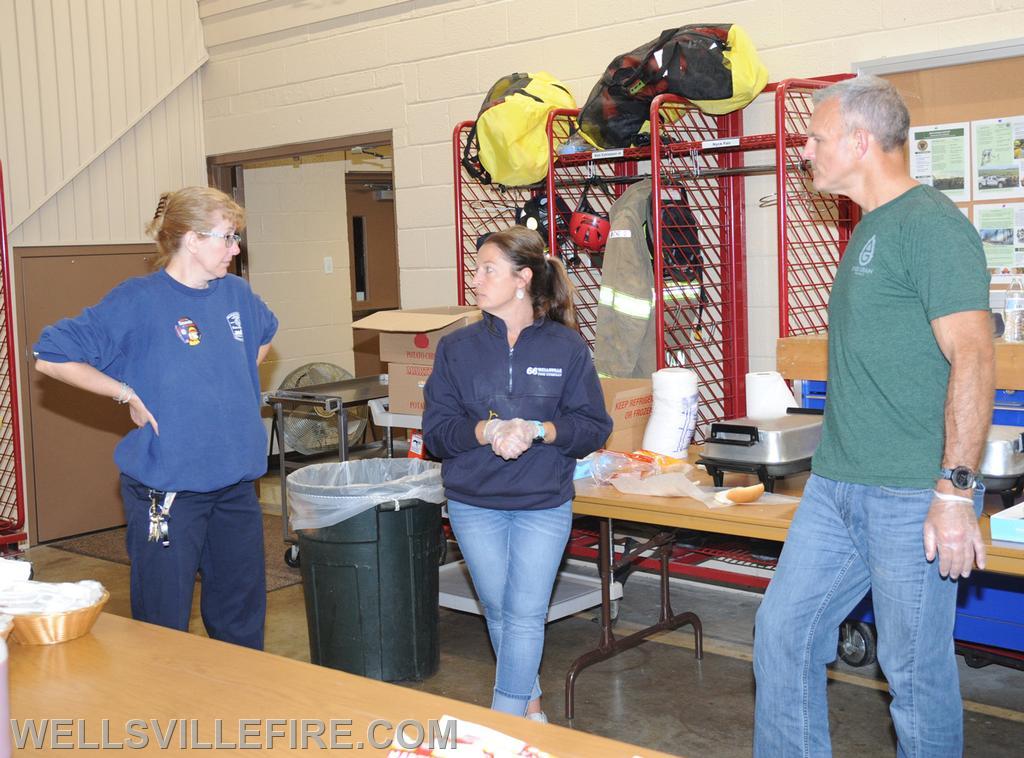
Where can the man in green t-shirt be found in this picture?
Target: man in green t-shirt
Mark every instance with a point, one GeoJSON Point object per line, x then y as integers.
{"type": "Point", "coordinates": [892, 504]}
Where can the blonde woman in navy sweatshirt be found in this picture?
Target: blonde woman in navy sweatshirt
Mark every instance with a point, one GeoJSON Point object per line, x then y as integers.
{"type": "Point", "coordinates": [180, 349]}
{"type": "Point", "coordinates": [512, 402]}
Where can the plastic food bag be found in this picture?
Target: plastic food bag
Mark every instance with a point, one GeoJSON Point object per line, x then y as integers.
{"type": "Point", "coordinates": [325, 494]}
{"type": "Point", "coordinates": [609, 465]}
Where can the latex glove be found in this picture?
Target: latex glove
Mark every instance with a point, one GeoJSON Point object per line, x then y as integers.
{"type": "Point", "coordinates": [951, 531]}
{"type": "Point", "coordinates": [512, 438]}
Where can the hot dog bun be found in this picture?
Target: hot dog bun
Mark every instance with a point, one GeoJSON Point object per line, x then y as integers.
{"type": "Point", "coordinates": [745, 494]}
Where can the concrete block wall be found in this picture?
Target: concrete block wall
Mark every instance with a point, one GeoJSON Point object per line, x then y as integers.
{"type": "Point", "coordinates": [296, 217]}
{"type": "Point", "coordinates": [419, 69]}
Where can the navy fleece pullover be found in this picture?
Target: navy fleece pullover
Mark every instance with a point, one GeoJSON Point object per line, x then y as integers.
{"type": "Point", "coordinates": [548, 376]}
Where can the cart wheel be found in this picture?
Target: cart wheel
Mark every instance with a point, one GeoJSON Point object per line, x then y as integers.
{"type": "Point", "coordinates": [291, 556]}
{"type": "Point", "coordinates": [857, 644]}
{"type": "Point", "coordinates": [976, 661]}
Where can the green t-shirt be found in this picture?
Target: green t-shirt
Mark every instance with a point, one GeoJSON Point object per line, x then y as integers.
{"type": "Point", "coordinates": [915, 259]}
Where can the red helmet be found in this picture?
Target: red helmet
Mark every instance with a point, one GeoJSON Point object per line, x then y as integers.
{"type": "Point", "coordinates": [588, 228]}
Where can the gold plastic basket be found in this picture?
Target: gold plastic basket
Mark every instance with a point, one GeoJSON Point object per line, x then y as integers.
{"type": "Point", "coordinates": [51, 628]}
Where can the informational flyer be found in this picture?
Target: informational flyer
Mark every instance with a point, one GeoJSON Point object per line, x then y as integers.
{"type": "Point", "coordinates": [939, 157]}
{"type": "Point", "coordinates": [1002, 236]}
{"type": "Point", "coordinates": [998, 153]}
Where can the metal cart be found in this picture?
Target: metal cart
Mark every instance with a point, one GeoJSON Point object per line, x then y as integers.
{"type": "Point", "coordinates": [331, 398]}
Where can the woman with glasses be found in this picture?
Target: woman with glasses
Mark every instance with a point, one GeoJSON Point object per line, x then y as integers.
{"type": "Point", "coordinates": [180, 348]}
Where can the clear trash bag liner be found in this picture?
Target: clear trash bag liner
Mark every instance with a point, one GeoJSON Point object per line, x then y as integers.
{"type": "Point", "coordinates": [326, 494]}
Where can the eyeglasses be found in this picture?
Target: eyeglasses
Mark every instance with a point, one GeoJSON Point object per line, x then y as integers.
{"type": "Point", "coordinates": [228, 238]}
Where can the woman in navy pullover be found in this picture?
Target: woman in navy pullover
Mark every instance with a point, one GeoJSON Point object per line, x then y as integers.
{"type": "Point", "coordinates": [512, 402]}
{"type": "Point", "coordinates": [180, 348]}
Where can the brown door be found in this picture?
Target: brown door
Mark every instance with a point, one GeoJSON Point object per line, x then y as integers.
{"type": "Point", "coordinates": [70, 434]}
{"type": "Point", "coordinates": [373, 257]}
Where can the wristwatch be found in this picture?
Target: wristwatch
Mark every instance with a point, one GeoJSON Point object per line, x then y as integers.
{"type": "Point", "coordinates": [963, 478]}
{"type": "Point", "coordinates": [541, 432]}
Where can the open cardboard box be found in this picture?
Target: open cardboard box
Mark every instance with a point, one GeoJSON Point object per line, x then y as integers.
{"type": "Point", "coordinates": [411, 336]}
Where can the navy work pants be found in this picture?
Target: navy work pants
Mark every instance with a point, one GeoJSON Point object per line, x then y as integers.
{"type": "Point", "coordinates": [217, 534]}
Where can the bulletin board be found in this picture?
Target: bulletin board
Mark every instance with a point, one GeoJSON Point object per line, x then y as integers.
{"type": "Point", "coordinates": [976, 94]}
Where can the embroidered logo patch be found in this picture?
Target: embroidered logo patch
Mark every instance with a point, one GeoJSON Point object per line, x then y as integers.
{"type": "Point", "coordinates": [864, 258]}
{"type": "Point", "coordinates": [187, 331]}
{"type": "Point", "coordinates": [235, 322]}
{"type": "Point", "coordinates": [542, 371]}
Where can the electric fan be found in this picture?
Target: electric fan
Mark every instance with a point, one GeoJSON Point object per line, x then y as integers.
{"type": "Point", "coordinates": [309, 429]}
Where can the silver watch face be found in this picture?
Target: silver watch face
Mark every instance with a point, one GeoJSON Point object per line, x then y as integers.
{"type": "Point", "coordinates": [962, 478]}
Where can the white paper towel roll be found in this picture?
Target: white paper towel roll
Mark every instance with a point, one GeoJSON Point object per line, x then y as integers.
{"type": "Point", "coordinates": [768, 395]}
{"type": "Point", "coordinates": [674, 414]}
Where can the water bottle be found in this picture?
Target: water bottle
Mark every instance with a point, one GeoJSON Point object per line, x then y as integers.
{"type": "Point", "coordinates": [1013, 312]}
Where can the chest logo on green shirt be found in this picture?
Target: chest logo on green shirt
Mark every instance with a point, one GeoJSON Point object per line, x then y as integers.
{"type": "Point", "coordinates": [864, 258]}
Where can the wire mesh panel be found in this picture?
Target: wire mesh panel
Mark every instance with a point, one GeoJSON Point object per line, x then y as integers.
{"type": "Point", "coordinates": [479, 210]}
{"type": "Point", "coordinates": [813, 227]}
{"type": "Point", "coordinates": [700, 290]}
{"type": "Point", "coordinates": [12, 507]}
{"type": "Point", "coordinates": [600, 181]}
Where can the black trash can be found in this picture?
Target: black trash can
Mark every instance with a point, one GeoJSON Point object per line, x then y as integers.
{"type": "Point", "coordinates": [371, 585]}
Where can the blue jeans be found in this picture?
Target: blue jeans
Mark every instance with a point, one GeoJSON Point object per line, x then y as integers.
{"type": "Point", "coordinates": [513, 558]}
{"type": "Point", "coordinates": [846, 539]}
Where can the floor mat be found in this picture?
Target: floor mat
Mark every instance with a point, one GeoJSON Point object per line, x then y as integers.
{"type": "Point", "coordinates": [108, 545]}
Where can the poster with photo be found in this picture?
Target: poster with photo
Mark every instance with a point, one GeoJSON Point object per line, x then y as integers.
{"type": "Point", "coordinates": [1002, 237]}
{"type": "Point", "coordinates": [939, 157]}
{"type": "Point", "coordinates": [998, 155]}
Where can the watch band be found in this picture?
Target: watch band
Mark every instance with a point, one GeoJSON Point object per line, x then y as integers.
{"type": "Point", "coordinates": [541, 431]}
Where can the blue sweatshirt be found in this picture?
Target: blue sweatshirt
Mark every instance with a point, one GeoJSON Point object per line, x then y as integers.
{"type": "Point", "coordinates": [547, 376]}
{"type": "Point", "coordinates": [190, 355]}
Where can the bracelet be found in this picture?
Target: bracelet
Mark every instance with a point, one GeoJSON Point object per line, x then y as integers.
{"type": "Point", "coordinates": [952, 498]}
{"type": "Point", "coordinates": [125, 394]}
{"type": "Point", "coordinates": [489, 422]}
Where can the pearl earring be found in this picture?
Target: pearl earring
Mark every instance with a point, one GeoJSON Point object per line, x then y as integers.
{"type": "Point", "coordinates": [520, 293]}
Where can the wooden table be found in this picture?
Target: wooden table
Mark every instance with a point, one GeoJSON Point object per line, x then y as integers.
{"type": "Point", "coordinates": [770, 522]}
{"type": "Point", "coordinates": [127, 670]}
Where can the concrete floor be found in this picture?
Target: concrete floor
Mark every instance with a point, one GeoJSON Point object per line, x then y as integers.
{"type": "Point", "coordinates": [657, 695]}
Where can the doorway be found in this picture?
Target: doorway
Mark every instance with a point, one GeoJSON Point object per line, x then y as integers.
{"type": "Point", "coordinates": [71, 482]}
{"type": "Point", "coordinates": [321, 245]}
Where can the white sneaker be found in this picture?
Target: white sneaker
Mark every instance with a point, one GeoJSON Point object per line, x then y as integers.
{"type": "Point", "coordinates": [539, 717]}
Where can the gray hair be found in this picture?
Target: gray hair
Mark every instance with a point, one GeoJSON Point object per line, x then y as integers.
{"type": "Point", "coordinates": [869, 102]}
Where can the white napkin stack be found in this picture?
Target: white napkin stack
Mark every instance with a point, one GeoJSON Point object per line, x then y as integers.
{"type": "Point", "coordinates": [21, 597]}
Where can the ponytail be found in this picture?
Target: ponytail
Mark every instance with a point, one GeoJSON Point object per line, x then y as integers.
{"type": "Point", "coordinates": [557, 295]}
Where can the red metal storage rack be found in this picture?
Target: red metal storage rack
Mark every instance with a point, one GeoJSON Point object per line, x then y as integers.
{"type": "Point", "coordinates": [702, 156]}
{"type": "Point", "coordinates": [12, 504]}
{"type": "Point", "coordinates": [813, 227]}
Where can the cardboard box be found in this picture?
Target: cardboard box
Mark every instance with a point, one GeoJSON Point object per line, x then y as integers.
{"type": "Point", "coordinates": [1008, 524]}
{"type": "Point", "coordinates": [411, 336]}
{"type": "Point", "coordinates": [629, 403]}
{"type": "Point", "coordinates": [405, 387]}
{"type": "Point", "coordinates": [802, 357]}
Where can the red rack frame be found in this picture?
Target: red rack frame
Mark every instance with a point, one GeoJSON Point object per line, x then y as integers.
{"type": "Point", "coordinates": [12, 503]}
{"type": "Point", "coordinates": [703, 156]}
{"type": "Point", "coordinates": [813, 228]}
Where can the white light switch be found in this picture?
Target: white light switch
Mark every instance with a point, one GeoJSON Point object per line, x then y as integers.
{"type": "Point", "coordinates": [328, 264]}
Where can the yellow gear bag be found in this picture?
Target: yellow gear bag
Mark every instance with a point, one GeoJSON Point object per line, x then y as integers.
{"type": "Point", "coordinates": [508, 144]}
